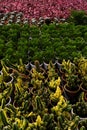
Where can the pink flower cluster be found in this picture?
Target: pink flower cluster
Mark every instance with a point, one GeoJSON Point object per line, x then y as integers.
{"type": "Point", "coordinates": [43, 8]}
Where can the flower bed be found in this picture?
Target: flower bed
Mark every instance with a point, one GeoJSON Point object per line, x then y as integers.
{"type": "Point", "coordinates": [42, 8]}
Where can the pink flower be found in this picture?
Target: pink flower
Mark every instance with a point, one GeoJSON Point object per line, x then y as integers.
{"type": "Point", "coordinates": [43, 8]}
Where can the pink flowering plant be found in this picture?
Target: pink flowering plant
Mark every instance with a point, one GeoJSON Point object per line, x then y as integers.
{"type": "Point", "coordinates": [43, 8]}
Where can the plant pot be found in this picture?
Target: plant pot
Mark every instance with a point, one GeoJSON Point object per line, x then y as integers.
{"type": "Point", "coordinates": [82, 124]}
{"type": "Point", "coordinates": [25, 73]}
{"type": "Point", "coordinates": [0, 68]}
{"type": "Point", "coordinates": [8, 101]}
{"type": "Point", "coordinates": [85, 97]}
{"type": "Point", "coordinates": [72, 95]}
{"type": "Point", "coordinates": [27, 65]}
{"type": "Point", "coordinates": [57, 67]}
{"type": "Point", "coordinates": [31, 65]}
{"type": "Point", "coordinates": [44, 65]}
{"type": "Point", "coordinates": [63, 80]}
{"type": "Point", "coordinates": [11, 71]}
{"type": "Point", "coordinates": [80, 109]}
{"type": "Point", "coordinates": [83, 88]}
{"type": "Point", "coordinates": [8, 79]}
{"type": "Point", "coordinates": [81, 118]}
{"type": "Point", "coordinates": [1, 72]}
{"type": "Point", "coordinates": [62, 73]}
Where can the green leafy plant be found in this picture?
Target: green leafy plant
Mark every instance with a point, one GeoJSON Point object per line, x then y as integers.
{"type": "Point", "coordinates": [80, 108]}
{"type": "Point", "coordinates": [73, 82]}
{"type": "Point", "coordinates": [62, 41]}
{"type": "Point", "coordinates": [78, 17]}
{"type": "Point", "coordinates": [82, 124]}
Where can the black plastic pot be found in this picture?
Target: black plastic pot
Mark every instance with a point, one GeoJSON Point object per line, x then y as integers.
{"type": "Point", "coordinates": [72, 94]}
{"type": "Point", "coordinates": [8, 79]}
{"type": "Point", "coordinates": [8, 101]}
{"type": "Point", "coordinates": [80, 110]}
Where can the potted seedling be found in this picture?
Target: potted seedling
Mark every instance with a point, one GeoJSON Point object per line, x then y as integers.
{"type": "Point", "coordinates": [67, 68]}
{"type": "Point", "coordinates": [80, 109]}
{"type": "Point", "coordinates": [82, 72]}
{"type": "Point", "coordinates": [81, 64]}
{"type": "Point", "coordinates": [84, 84]}
{"type": "Point", "coordinates": [72, 87]}
{"type": "Point", "coordinates": [82, 124]}
{"type": "Point", "coordinates": [7, 78]}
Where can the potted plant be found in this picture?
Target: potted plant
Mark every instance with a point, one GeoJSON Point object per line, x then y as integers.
{"type": "Point", "coordinates": [51, 71]}
{"type": "Point", "coordinates": [6, 77]}
{"type": "Point", "coordinates": [81, 64]}
{"type": "Point", "coordinates": [78, 17]}
{"type": "Point", "coordinates": [67, 68]}
{"type": "Point", "coordinates": [70, 79]}
{"type": "Point", "coordinates": [85, 96]}
{"type": "Point", "coordinates": [84, 84]}
{"type": "Point", "coordinates": [72, 87]}
{"type": "Point", "coordinates": [80, 109]}
{"type": "Point", "coordinates": [82, 124]}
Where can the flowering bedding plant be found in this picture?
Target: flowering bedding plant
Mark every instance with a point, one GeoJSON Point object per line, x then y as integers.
{"type": "Point", "coordinates": [43, 8]}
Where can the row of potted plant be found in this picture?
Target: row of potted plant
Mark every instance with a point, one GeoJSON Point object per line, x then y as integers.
{"type": "Point", "coordinates": [74, 75]}
{"type": "Point", "coordinates": [77, 17]}
{"type": "Point", "coordinates": [34, 103]}
{"type": "Point", "coordinates": [43, 43]}
{"type": "Point", "coordinates": [36, 9]}
{"type": "Point", "coordinates": [34, 99]}
{"type": "Point", "coordinates": [12, 17]}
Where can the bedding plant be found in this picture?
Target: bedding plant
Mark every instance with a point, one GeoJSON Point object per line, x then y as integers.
{"type": "Point", "coordinates": [80, 107]}
{"type": "Point", "coordinates": [35, 101]}
{"type": "Point", "coordinates": [62, 41]}
{"type": "Point", "coordinates": [81, 64]}
{"type": "Point", "coordinates": [71, 80]}
{"type": "Point", "coordinates": [83, 124]}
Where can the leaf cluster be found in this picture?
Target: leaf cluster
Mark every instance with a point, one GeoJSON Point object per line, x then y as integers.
{"type": "Point", "coordinates": [44, 43]}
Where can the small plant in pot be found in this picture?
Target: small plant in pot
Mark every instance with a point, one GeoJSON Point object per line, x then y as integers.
{"type": "Point", "coordinates": [84, 84]}
{"type": "Point", "coordinates": [72, 82]}
{"type": "Point", "coordinates": [82, 124]}
{"type": "Point", "coordinates": [80, 109]}
{"type": "Point", "coordinates": [67, 68]}
{"type": "Point", "coordinates": [6, 77]}
{"type": "Point", "coordinates": [81, 65]}
{"type": "Point", "coordinates": [72, 87]}
{"type": "Point", "coordinates": [85, 96]}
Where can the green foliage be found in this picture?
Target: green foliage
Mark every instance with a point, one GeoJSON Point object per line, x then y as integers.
{"type": "Point", "coordinates": [78, 17]}
{"type": "Point", "coordinates": [80, 108]}
{"type": "Point", "coordinates": [44, 43]}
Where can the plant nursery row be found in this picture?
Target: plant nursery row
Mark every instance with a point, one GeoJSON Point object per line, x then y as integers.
{"type": "Point", "coordinates": [43, 73]}
{"type": "Point", "coordinates": [44, 96]}
{"type": "Point", "coordinates": [42, 8]}
{"type": "Point", "coordinates": [62, 41]}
